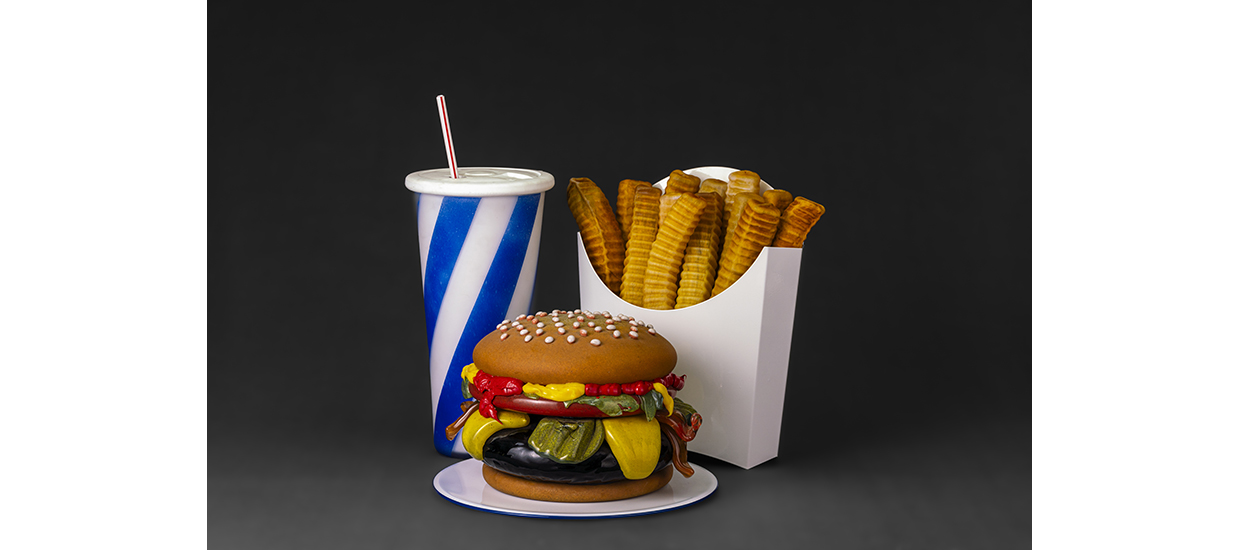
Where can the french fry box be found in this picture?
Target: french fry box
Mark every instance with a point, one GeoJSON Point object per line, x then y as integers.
{"type": "Point", "coordinates": [735, 371]}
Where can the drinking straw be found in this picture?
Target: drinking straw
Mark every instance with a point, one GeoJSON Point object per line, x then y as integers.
{"type": "Point", "coordinates": [447, 134]}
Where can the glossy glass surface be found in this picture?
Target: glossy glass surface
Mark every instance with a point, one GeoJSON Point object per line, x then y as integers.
{"type": "Point", "coordinates": [462, 484]}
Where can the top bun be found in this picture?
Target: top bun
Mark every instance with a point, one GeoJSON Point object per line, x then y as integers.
{"type": "Point", "coordinates": [595, 347]}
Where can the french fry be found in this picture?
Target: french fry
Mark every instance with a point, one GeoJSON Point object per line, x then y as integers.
{"type": "Point", "coordinates": [743, 181]}
{"type": "Point", "coordinates": [720, 188]}
{"type": "Point", "coordinates": [667, 253]}
{"type": "Point", "coordinates": [778, 197]}
{"type": "Point", "coordinates": [796, 221]}
{"type": "Point", "coordinates": [679, 246]}
{"type": "Point", "coordinates": [740, 181]}
{"type": "Point", "coordinates": [697, 274]}
{"type": "Point", "coordinates": [712, 185]}
{"type": "Point", "coordinates": [680, 182]}
{"type": "Point", "coordinates": [695, 282]}
{"type": "Point", "coordinates": [624, 205]}
{"type": "Point", "coordinates": [665, 204]}
{"type": "Point", "coordinates": [599, 230]}
{"type": "Point", "coordinates": [637, 249]}
{"type": "Point", "coordinates": [755, 229]}
{"type": "Point", "coordinates": [709, 234]}
{"type": "Point", "coordinates": [732, 215]}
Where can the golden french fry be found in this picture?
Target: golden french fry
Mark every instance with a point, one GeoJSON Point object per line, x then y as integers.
{"type": "Point", "coordinates": [743, 181]}
{"type": "Point", "coordinates": [778, 197]}
{"type": "Point", "coordinates": [624, 204]}
{"type": "Point", "coordinates": [693, 285]}
{"type": "Point", "coordinates": [665, 204]}
{"type": "Point", "coordinates": [796, 221]}
{"type": "Point", "coordinates": [744, 178]}
{"type": "Point", "coordinates": [667, 253]}
{"type": "Point", "coordinates": [712, 185]}
{"type": "Point", "coordinates": [732, 215]}
{"type": "Point", "coordinates": [755, 229]}
{"type": "Point", "coordinates": [710, 232]}
{"type": "Point", "coordinates": [709, 267]}
{"type": "Point", "coordinates": [737, 206]}
{"type": "Point", "coordinates": [599, 230]}
{"type": "Point", "coordinates": [680, 182]}
{"type": "Point", "coordinates": [697, 275]}
{"type": "Point", "coordinates": [718, 187]}
{"type": "Point", "coordinates": [740, 181]}
{"type": "Point", "coordinates": [637, 249]}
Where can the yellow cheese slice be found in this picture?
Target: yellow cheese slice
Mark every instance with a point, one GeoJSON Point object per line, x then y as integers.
{"type": "Point", "coordinates": [479, 428]}
{"type": "Point", "coordinates": [635, 441]}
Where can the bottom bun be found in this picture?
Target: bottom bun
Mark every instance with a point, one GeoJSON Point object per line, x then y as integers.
{"type": "Point", "coordinates": [563, 492]}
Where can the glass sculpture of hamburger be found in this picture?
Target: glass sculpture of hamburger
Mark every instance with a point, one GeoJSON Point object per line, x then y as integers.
{"type": "Point", "coordinates": [575, 406]}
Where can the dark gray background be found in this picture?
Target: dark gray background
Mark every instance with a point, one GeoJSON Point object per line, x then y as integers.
{"type": "Point", "coordinates": [907, 421]}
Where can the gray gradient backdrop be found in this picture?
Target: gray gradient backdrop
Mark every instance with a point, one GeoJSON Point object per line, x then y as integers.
{"type": "Point", "coordinates": [907, 421]}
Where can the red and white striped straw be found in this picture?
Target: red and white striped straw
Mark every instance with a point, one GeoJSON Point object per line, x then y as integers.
{"type": "Point", "coordinates": [447, 135]}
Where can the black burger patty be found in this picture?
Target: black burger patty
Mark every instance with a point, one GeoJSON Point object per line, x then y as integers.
{"type": "Point", "coordinates": [508, 451]}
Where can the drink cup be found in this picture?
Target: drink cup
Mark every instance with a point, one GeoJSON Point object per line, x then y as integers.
{"type": "Point", "coordinates": [478, 238]}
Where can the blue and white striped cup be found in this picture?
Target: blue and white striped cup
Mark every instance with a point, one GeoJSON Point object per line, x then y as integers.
{"type": "Point", "coordinates": [478, 236]}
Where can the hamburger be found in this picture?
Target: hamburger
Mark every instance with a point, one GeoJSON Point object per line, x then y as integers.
{"type": "Point", "coordinates": [575, 406]}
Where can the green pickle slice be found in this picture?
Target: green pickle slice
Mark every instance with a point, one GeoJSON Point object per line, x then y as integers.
{"type": "Point", "coordinates": [567, 440]}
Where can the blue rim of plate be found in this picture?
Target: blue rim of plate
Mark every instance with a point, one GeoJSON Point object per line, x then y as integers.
{"type": "Point", "coordinates": [508, 511]}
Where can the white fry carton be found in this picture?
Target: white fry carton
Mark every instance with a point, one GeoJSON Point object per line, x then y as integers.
{"type": "Point", "coordinates": [733, 348]}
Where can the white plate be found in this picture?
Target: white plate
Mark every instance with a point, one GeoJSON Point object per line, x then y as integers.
{"type": "Point", "coordinates": [462, 483]}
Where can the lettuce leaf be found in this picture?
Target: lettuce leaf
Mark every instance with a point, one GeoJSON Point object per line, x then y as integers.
{"type": "Point", "coordinates": [686, 410]}
{"type": "Point", "coordinates": [652, 401]}
{"type": "Point", "coordinates": [611, 405]}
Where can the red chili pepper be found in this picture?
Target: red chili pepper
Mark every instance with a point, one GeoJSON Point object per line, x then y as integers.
{"type": "Point", "coordinates": [609, 389]}
{"type": "Point", "coordinates": [592, 390]}
{"type": "Point", "coordinates": [636, 388]}
{"type": "Point", "coordinates": [673, 382]}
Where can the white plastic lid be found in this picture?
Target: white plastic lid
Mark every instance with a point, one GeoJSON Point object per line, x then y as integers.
{"type": "Point", "coordinates": [480, 182]}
